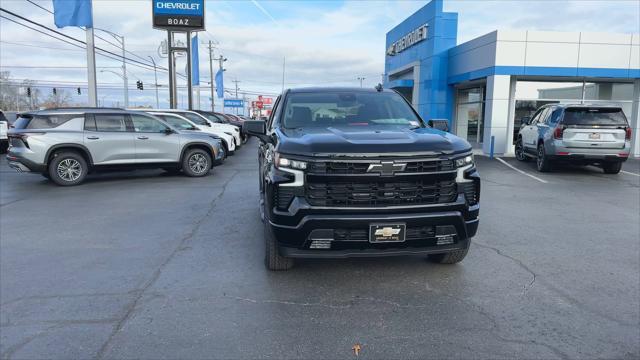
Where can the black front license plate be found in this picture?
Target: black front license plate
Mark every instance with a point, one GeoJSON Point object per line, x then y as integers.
{"type": "Point", "coordinates": [382, 233]}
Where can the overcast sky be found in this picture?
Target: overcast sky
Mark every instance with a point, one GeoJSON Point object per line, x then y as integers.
{"type": "Point", "coordinates": [324, 42]}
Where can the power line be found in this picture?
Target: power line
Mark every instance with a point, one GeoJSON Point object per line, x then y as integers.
{"type": "Point", "coordinates": [71, 38]}
{"type": "Point", "coordinates": [96, 35]}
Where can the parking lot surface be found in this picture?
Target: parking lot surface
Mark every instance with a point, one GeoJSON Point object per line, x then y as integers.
{"type": "Point", "coordinates": [147, 265]}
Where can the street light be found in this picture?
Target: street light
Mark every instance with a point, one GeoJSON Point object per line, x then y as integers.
{"type": "Point", "coordinates": [361, 78]}
{"type": "Point", "coordinates": [120, 39]}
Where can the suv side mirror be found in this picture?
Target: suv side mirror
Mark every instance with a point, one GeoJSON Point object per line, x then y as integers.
{"type": "Point", "coordinates": [168, 131]}
{"type": "Point", "coordinates": [525, 121]}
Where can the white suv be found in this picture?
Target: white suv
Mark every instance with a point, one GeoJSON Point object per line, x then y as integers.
{"type": "Point", "coordinates": [203, 122]}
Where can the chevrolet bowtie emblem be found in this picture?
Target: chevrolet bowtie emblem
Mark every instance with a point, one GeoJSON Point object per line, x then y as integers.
{"type": "Point", "coordinates": [386, 168]}
{"type": "Point", "coordinates": [387, 231]}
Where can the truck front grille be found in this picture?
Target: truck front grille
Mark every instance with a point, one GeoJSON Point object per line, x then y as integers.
{"type": "Point", "coordinates": [370, 193]}
{"type": "Point", "coordinates": [360, 167]}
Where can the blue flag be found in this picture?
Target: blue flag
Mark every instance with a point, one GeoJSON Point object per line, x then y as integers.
{"type": "Point", "coordinates": [220, 84]}
{"type": "Point", "coordinates": [195, 62]}
{"type": "Point", "coordinates": [72, 13]}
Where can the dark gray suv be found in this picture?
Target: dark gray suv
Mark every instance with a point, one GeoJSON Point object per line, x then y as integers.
{"type": "Point", "coordinates": [65, 145]}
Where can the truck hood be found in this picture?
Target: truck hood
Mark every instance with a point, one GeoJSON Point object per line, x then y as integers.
{"type": "Point", "coordinates": [352, 141]}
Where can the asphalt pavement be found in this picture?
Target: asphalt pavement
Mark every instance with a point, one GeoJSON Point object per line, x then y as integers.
{"type": "Point", "coordinates": [147, 265]}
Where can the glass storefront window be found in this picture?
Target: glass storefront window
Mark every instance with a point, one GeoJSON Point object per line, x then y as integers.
{"type": "Point", "coordinates": [470, 114]}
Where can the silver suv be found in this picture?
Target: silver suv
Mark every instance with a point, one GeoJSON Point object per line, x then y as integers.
{"type": "Point", "coordinates": [581, 134]}
{"type": "Point", "coordinates": [65, 145]}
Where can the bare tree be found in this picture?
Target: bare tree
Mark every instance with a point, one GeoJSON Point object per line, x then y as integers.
{"type": "Point", "coordinates": [61, 98]}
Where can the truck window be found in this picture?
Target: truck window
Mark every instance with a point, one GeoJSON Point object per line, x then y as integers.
{"type": "Point", "coordinates": [330, 109]}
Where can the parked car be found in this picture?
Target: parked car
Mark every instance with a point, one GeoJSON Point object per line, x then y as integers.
{"type": "Point", "coordinates": [4, 127]}
{"type": "Point", "coordinates": [65, 145]}
{"type": "Point", "coordinates": [201, 120]}
{"type": "Point", "coordinates": [223, 119]}
{"type": "Point", "coordinates": [352, 172]}
{"type": "Point", "coordinates": [182, 123]}
{"type": "Point", "coordinates": [578, 134]}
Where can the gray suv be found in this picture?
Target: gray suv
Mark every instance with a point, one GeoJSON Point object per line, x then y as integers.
{"type": "Point", "coordinates": [580, 134]}
{"type": "Point", "coordinates": [65, 145]}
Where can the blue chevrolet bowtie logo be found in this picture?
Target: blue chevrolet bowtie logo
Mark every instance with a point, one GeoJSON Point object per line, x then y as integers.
{"type": "Point", "coordinates": [386, 168]}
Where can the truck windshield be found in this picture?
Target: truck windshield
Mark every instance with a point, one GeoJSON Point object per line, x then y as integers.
{"type": "Point", "coordinates": [329, 109]}
{"type": "Point", "coordinates": [594, 116]}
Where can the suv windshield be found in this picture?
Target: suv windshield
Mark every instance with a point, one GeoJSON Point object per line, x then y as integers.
{"type": "Point", "coordinates": [198, 120]}
{"type": "Point", "coordinates": [327, 109]}
{"type": "Point", "coordinates": [594, 116]}
{"type": "Point", "coordinates": [177, 123]}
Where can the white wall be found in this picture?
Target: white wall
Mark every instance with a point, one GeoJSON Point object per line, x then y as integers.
{"type": "Point", "coordinates": [496, 120]}
{"type": "Point", "coordinates": [546, 49]}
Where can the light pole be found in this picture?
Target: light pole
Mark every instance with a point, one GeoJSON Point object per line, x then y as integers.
{"type": "Point", "coordinates": [361, 78]}
{"type": "Point", "coordinates": [155, 73]}
{"type": "Point", "coordinates": [120, 39]}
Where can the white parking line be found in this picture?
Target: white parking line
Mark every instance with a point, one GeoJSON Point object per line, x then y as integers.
{"type": "Point", "coordinates": [630, 173]}
{"type": "Point", "coordinates": [522, 172]}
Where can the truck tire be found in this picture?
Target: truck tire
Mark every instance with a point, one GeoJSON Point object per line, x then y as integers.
{"type": "Point", "coordinates": [272, 258]}
{"type": "Point", "coordinates": [520, 154]}
{"type": "Point", "coordinates": [196, 162]}
{"type": "Point", "coordinates": [67, 168]}
{"type": "Point", "coordinates": [449, 258]}
{"type": "Point", "coordinates": [612, 167]}
{"type": "Point", "coordinates": [542, 161]}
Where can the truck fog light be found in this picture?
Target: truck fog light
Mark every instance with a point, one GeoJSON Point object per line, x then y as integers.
{"type": "Point", "coordinates": [320, 244]}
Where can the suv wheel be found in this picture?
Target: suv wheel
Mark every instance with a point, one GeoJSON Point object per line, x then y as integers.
{"type": "Point", "coordinates": [520, 155]}
{"type": "Point", "coordinates": [196, 163]}
{"type": "Point", "coordinates": [449, 258]}
{"type": "Point", "coordinates": [542, 160]}
{"type": "Point", "coordinates": [67, 168]}
{"type": "Point", "coordinates": [612, 167]}
{"type": "Point", "coordinates": [272, 258]}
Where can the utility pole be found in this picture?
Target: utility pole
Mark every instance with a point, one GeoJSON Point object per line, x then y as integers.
{"type": "Point", "coordinates": [284, 59]}
{"type": "Point", "coordinates": [155, 73]}
{"type": "Point", "coordinates": [236, 82]}
{"type": "Point", "coordinates": [361, 78]}
{"type": "Point", "coordinates": [213, 94]}
{"type": "Point", "coordinates": [382, 77]}
{"type": "Point", "coordinates": [124, 73]}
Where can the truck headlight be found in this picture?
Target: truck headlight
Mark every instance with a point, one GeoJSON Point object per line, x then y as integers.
{"type": "Point", "coordinates": [288, 163]}
{"type": "Point", "coordinates": [464, 161]}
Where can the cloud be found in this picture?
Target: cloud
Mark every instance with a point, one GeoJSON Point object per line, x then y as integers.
{"type": "Point", "coordinates": [325, 43]}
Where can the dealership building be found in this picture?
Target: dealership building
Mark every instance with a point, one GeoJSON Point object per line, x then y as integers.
{"type": "Point", "coordinates": [484, 86]}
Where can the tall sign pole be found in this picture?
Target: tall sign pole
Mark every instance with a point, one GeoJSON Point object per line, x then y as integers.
{"type": "Point", "coordinates": [179, 16]}
{"type": "Point", "coordinates": [92, 81]}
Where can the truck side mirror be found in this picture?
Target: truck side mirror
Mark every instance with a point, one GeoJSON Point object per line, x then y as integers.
{"type": "Point", "coordinates": [257, 129]}
{"type": "Point", "coordinates": [439, 124]}
{"type": "Point", "coordinates": [525, 121]}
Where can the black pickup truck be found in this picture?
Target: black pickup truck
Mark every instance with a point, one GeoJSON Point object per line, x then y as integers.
{"type": "Point", "coordinates": [352, 172]}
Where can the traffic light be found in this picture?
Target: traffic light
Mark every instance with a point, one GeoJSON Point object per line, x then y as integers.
{"type": "Point", "coordinates": [28, 92]}
{"type": "Point", "coordinates": [139, 85]}
{"type": "Point", "coordinates": [79, 92]}
{"type": "Point", "coordinates": [55, 91]}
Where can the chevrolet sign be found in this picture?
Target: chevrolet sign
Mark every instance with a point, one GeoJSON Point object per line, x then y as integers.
{"type": "Point", "coordinates": [408, 40]}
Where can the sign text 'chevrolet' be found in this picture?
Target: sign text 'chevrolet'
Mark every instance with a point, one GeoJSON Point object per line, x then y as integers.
{"type": "Point", "coordinates": [408, 40]}
{"type": "Point", "coordinates": [185, 15]}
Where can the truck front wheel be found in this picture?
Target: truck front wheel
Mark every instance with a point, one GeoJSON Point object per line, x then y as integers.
{"type": "Point", "coordinates": [449, 258]}
{"type": "Point", "coordinates": [272, 258]}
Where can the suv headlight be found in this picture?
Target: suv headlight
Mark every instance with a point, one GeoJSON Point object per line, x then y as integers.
{"type": "Point", "coordinates": [464, 161]}
{"type": "Point", "coordinates": [282, 162]}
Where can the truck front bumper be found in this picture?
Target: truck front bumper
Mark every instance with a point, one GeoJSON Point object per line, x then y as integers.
{"type": "Point", "coordinates": [327, 234]}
